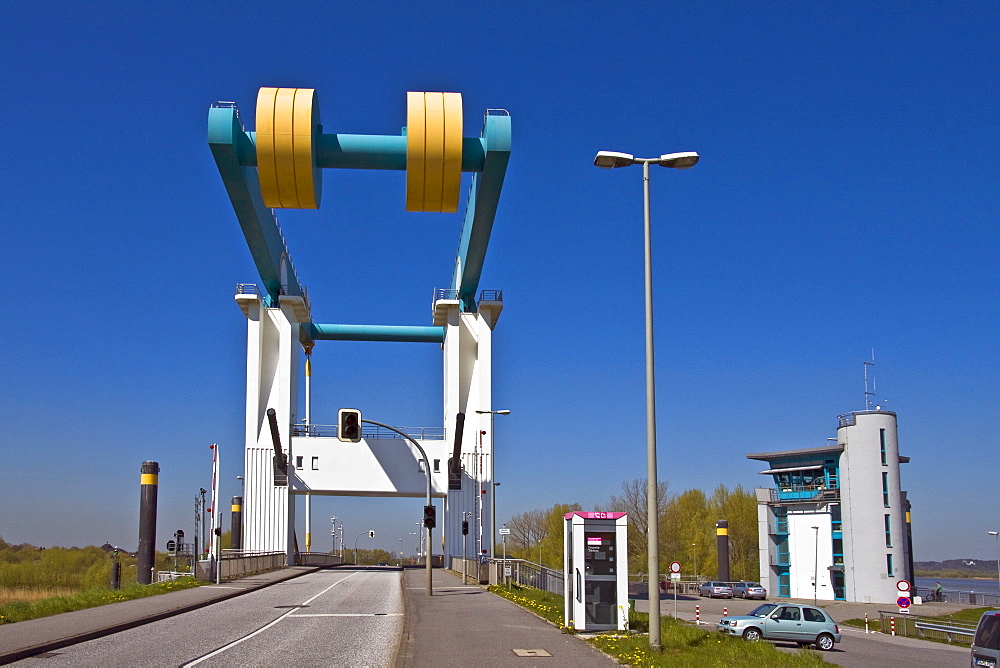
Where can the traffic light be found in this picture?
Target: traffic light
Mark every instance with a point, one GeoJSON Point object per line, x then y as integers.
{"type": "Point", "coordinates": [371, 534]}
{"type": "Point", "coordinates": [349, 425]}
{"type": "Point", "coordinates": [465, 527]}
{"type": "Point", "coordinates": [430, 517]}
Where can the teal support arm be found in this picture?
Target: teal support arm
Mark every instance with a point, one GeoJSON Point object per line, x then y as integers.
{"type": "Point", "coordinates": [484, 197]}
{"type": "Point", "coordinates": [405, 334]}
{"type": "Point", "coordinates": [231, 147]}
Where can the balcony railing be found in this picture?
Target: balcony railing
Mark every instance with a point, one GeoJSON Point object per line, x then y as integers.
{"type": "Point", "coordinates": [371, 431]}
{"type": "Point", "coordinates": [804, 493]}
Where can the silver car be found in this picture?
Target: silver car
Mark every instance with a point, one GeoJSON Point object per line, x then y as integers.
{"type": "Point", "coordinates": [802, 624]}
{"type": "Point", "coordinates": [749, 590]}
{"type": "Point", "coordinates": [715, 590]}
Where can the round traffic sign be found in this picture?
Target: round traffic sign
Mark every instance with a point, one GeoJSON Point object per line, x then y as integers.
{"type": "Point", "coordinates": [903, 585]}
{"type": "Point", "coordinates": [675, 567]}
{"type": "Point", "coordinates": [903, 602]}
{"type": "Point", "coordinates": [171, 545]}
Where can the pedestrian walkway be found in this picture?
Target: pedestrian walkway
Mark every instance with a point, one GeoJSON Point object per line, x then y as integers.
{"type": "Point", "coordinates": [465, 625]}
{"type": "Point", "coordinates": [36, 636]}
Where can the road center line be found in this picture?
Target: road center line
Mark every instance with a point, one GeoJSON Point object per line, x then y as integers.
{"type": "Point", "coordinates": [348, 614]}
{"type": "Point", "coordinates": [263, 628]}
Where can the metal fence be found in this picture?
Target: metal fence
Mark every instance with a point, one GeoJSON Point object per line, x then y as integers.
{"type": "Point", "coordinates": [958, 596]}
{"type": "Point", "coordinates": [919, 626]}
{"type": "Point", "coordinates": [531, 574]}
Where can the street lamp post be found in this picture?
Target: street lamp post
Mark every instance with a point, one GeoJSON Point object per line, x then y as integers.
{"type": "Point", "coordinates": [997, 534]}
{"type": "Point", "coordinates": [610, 160]}
{"type": "Point", "coordinates": [695, 546]}
{"type": "Point", "coordinates": [815, 564]}
{"type": "Point", "coordinates": [493, 484]}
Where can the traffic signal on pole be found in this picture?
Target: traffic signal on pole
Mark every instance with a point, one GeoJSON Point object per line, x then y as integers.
{"type": "Point", "coordinates": [349, 425]}
{"type": "Point", "coordinates": [371, 534]}
{"type": "Point", "coordinates": [430, 517]}
{"type": "Point", "coordinates": [465, 527]}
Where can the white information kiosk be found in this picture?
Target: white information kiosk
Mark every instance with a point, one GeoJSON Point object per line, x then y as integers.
{"type": "Point", "coordinates": [596, 571]}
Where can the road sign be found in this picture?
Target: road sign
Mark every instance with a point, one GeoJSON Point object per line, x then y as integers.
{"type": "Point", "coordinates": [903, 602]}
{"type": "Point", "coordinates": [675, 576]}
{"type": "Point", "coordinates": [903, 585]}
{"type": "Point", "coordinates": [171, 545]}
{"type": "Point", "coordinates": [904, 611]}
{"type": "Point", "coordinates": [504, 532]}
{"type": "Point", "coordinates": [675, 567]}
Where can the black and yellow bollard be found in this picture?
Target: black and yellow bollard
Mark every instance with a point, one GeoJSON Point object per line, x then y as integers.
{"type": "Point", "coordinates": [722, 544]}
{"type": "Point", "coordinates": [236, 533]}
{"type": "Point", "coordinates": [148, 485]}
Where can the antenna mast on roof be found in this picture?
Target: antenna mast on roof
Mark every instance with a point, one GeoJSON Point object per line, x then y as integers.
{"type": "Point", "coordinates": [869, 395]}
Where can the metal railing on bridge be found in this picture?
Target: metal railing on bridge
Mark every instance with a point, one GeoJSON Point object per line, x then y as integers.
{"type": "Point", "coordinates": [370, 431]}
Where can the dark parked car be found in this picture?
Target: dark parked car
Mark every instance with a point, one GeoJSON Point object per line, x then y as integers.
{"type": "Point", "coordinates": [802, 624]}
{"type": "Point", "coordinates": [986, 645]}
{"type": "Point", "coordinates": [749, 590]}
{"type": "Point", "coordinates": [716, 590]}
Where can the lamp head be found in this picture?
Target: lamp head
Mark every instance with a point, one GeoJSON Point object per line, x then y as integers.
{"type": "Point", "coordinates": [685, 160]}
{"type": "Point", "coordinates": [612, 159]}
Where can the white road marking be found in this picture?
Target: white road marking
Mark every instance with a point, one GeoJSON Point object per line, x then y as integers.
{"type": "Point", "coordinates": [263, 628]}
{"type": "Point", "coordinates": [348, 614]}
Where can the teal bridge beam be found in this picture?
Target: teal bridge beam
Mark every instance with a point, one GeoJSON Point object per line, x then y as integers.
{"type": "Point", "coordinates": [235, 154]}
{"type": "Point", "coordinates": [407, 334]}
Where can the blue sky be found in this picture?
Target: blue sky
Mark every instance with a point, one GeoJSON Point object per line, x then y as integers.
{"type": "Point", "coordinates": [846, 201]}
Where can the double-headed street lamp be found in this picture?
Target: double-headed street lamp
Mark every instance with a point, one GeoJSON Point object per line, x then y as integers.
{"type": "Point", "coordinates": [997, 535]}
{"type": "Point", "coordinates": [493, 483]}
{"type": "Point", "coordinates": [610, 160]}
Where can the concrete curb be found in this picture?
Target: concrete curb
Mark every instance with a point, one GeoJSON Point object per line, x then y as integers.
{"type": "Point", "coordinates": [101, 630]}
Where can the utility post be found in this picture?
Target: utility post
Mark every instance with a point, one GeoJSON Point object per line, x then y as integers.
{"type": "Point", "coordinates": [428, 503]}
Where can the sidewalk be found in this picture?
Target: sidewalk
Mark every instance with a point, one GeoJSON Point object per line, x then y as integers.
{"type": "Point", "coordinates": [464, 625]}
{"type": "Point", "coordinates": [35, 636]}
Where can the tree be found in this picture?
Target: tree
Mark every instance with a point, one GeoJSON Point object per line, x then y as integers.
{"type": "Point", "coordinates": [537, 535]}
{"type": "Point", "coordinates": [688, 533]}
{"type": "Point", "coordinates": [739, 508]}
{"type": "Point", "coordinates": [526, 532]}
{"type": "Point", "coordinates": [633, 502]}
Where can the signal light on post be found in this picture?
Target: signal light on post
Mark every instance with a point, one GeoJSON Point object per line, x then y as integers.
{"type": "Point", "coordinates": [430, 517]}
{"type": "Point", "coordinates": [349, 425]}
{"type": "Point", "coordinates": [465, 527]}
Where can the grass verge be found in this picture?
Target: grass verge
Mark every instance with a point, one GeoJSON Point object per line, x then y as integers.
{"type": "Point", "coordinates": [683, 644]}
{"type": "Point", "coordinates": [966, 615]}
{"type": "Point", "coordinates": [19, 611]}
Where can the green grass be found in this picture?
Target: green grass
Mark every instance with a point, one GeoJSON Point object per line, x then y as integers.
{"type": "Point", "coordinates": [19, 611]}
{"type": "Point", "coordinates": [683, 644]}
{"type": "Point", "coordinates": [967, 615]}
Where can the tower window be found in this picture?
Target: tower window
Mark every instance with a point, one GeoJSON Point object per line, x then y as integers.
{"type": "Point", "coordinates": [888, 533]}
{"type": "Point", "coordinates": [888, 564]}
{"type": "Point", "coordinates": [881, 437]}
{"type": "Point", "coordinates": [885, 489]}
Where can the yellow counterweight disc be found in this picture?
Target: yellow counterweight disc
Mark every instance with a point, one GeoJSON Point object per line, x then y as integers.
{"type": "Point", "coordinates": [287, 119]}
{"type": "Point", "coordinates": [452, 175]}
{"type": "Point", "coordinates": [433, 151]}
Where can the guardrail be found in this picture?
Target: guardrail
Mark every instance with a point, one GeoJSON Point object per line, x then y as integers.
{"type": "Point", "coordinates": [919, 626]}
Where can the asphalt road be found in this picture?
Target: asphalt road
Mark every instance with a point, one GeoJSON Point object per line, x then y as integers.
{"type": "Point", "coordinates": [338, 617]}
